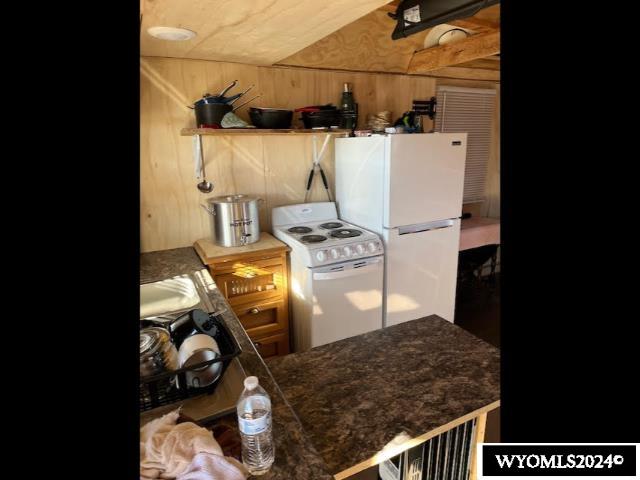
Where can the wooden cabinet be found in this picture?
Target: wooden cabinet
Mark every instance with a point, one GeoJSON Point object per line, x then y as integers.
{"type": "Point", "coordinates": [272, 346]}
{"type": "Point", "coordinates": [250, 281]}
{"type": "Point", "coordinates": [254, 280]}
{"type": "Point", "coordinates": [265, 318]}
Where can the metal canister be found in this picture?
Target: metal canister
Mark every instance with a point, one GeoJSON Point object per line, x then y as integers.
{"type": "Point", "coordinates": [234, 219]}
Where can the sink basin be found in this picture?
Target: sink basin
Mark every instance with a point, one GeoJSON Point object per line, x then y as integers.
{"type": "Point", "coordinates": [166, 296]}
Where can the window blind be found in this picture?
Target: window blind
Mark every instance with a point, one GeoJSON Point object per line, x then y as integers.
{"type": "Point", "coordinates": [469, 110]}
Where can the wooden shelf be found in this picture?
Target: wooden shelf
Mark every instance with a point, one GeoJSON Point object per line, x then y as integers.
{"type": "Point", "coordinates": [258, 131]}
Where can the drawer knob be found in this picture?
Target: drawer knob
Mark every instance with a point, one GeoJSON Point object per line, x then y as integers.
{"type": "Point", "coordinates": [254, 311]}
{"type": "Point", "coordinates": [256, 344]}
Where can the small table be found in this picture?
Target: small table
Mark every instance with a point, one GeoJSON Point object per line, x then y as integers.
{"type": "Point", "coordinates": [481, 233]}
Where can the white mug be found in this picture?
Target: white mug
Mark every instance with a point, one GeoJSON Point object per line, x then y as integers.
{"type": "Point", "coordinates": [196, 349]}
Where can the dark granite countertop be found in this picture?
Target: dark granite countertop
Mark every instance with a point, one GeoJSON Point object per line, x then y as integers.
{"type": "Point", "coordinates": [156, 266]}
{"type": "Point", "coordinates": [355, 395]}
{"type": "Point", "coordinates": [295, 456]}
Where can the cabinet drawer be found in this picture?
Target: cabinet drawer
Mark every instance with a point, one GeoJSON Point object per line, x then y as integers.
{"type": "Point", "coordinates": [273, 345]}
{"type": "Point", "coordinates": [249, 283]}
{"type": "Point", "coordinates": [263, 318]}
{"type": "Point", "coordinates": [228, 267]}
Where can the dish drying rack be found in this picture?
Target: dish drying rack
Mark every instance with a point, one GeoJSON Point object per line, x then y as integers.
{"type": "Point", "coordinates": [154, 391]}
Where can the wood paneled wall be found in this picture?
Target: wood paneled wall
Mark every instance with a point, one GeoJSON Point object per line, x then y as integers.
{"type": "Point", "coordinates": [273, 167]}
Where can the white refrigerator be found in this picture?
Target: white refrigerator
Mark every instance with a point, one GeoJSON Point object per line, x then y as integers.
{"type": "Point", "coordinates": [407, 188]}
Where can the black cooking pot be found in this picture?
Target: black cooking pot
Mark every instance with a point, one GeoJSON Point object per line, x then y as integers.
{"type": "Point", "coordinates": [322, 118]}
{"type": "Point", "coordinates": [209, 110]}
{"type": "Point", "coordinates": [271, 117]}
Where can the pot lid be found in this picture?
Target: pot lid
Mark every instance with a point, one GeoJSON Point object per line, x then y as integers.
{"type": "Point", "coordinates": [238, 198]}
{"type": "Point", "coordinates": [151, 339]}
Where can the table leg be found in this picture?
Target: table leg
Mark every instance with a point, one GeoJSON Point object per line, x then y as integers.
{"type": "Point", "coordinates": [494, 262]}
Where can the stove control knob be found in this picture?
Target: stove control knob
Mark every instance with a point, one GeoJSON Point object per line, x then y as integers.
{"type": "Point", "coordinates": [321, 255]}
{"type": "Point", "coordinates": [372, 246]}
{"type": "Point", "coordinates": [335, 254]}
{"type": "Point", "coordinates": [360, 249]}
{"type": "Point", "coordinates": [347, 251]}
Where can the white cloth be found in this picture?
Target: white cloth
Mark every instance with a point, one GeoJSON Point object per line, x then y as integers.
{"type": "Point", "coordinates": [170, 451]}
{"type": "Point", "coordinates": [207, 467]}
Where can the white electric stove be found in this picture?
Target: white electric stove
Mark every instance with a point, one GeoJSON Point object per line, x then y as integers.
{"type": "Point", "coordinates": [336, 274]}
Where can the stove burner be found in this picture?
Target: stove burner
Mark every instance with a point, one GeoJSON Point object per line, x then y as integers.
{"type": "Point", "coordinates": [345, 233]}
{"type": "Point", "coordinates": [331, 225]}
{"type": "Point", "coordinates": [313, 238]}
{"type": "Point", "coordinates": [299, 230]}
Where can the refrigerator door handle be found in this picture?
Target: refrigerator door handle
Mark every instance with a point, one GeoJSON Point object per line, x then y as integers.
{"type": "Point", "coordinates": [425, 227]}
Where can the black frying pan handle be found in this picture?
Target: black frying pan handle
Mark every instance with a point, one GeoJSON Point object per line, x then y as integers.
{"type": "Point", "coordinates": [310, 179]}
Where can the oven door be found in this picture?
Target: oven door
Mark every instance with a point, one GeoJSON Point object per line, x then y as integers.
{"type": "Point", "coordinates": [347, 300]}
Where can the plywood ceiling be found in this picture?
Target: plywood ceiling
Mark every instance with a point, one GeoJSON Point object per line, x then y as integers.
{"type": "Point", "coordinates": [366, 45]}
{"type": "Point", "coordinates": [258, 32]}
{"type": "Point", "coordinates": [329, 34]}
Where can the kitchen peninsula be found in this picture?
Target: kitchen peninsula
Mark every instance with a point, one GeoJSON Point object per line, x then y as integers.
{"type": "Point", "coordinates": [336, 407]}
{"type": "Point", "coordinates": [416, 379]}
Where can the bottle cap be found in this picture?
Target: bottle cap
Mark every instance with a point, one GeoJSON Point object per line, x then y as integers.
{"type": "Point", "coordinates": [346, 87]}
{"type": "Point", "coordinates": [250, 383]}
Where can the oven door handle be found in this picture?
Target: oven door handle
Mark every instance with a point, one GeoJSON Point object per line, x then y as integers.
{"type": "Point", "coordinates": [350, 272]}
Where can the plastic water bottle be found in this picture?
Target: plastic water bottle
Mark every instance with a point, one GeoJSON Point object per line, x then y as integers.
{"type": "Point", "coordinates": [254, 422]}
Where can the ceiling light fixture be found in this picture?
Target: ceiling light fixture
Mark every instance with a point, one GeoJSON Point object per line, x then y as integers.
{"type": "Point", "coordinates": [452, 36]}
{"type": "Point", "coordinates": [443, 34]}
{"type": "Point", "coordinates": [171, 33]}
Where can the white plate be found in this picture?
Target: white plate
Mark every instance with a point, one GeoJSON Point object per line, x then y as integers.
{"type": "Point", "coordinates": [178, 293]}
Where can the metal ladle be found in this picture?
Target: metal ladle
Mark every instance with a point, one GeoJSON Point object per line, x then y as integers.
{"type": "Point", "coordinates": [204, 186]}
